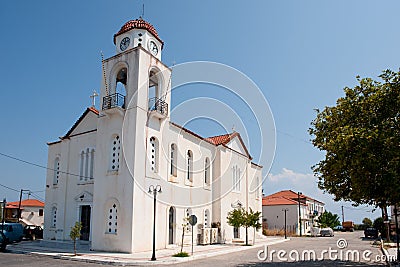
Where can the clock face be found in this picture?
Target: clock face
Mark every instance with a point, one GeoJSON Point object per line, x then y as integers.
{"type": "Point", "coordinates": [153, 48]}
{"type": "Point", "coordinates": [124, 43]}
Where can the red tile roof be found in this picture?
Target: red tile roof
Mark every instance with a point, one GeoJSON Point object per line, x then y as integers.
{"type": "Point", "coordinates": [138, 24]}
{"type": "Point", "coordinates": [274, 201]}
{"type": "Point", "coordinates": [26, 203]}
{"type": "Point", "coordinates": [221, 139]}
{"type": "Point", "coordinates": [285, 196]}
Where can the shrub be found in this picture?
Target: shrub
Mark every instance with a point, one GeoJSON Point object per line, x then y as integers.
{"type": "Point", "coordinates": [181, 254]}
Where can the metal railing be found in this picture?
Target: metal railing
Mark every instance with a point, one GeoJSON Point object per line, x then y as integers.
{"type": "Point", "coordinates": [114, 100]}
{"type": "Point", "coordinates": [156, 104]}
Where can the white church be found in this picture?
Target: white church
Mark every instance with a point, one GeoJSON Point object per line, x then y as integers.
{"type": "Point", "coordinates": [102, 172]}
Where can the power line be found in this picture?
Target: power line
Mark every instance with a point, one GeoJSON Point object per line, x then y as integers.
{"type": "Point", "coordinates": [41, 166]}
{"type": "Point", "coordinates": [16, 190]}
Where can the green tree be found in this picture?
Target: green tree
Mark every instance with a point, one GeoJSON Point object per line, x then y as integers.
{"type": "Point", "coordinates": [367, 222]}
{"type": "Point", "coordinates": [75, 233]}
{"type": "Point", "coordinates": [360, 137]}
{"type": "Point", "coordinates": [239, 217]}
{"type": "Point", "coordinates": [328, 219]}
{"type": "Point", "coordinates": [380, 226]}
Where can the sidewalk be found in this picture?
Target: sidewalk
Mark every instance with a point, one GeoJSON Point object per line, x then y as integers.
{"type": "Point", "coordinates": [63, 250]}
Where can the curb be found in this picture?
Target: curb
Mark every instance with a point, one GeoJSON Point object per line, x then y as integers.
{"type": "Point", "coordinates": [167, 260]}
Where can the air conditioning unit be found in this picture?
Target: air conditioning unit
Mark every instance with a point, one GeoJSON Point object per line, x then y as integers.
{"type": "Point", "coordinates": [214, 235]}
{"type": "Point", "coordinates": [205, 236]}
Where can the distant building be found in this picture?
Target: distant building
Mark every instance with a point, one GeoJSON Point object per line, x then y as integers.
{"type": "Point", "coordinates": [32, 212]}
{"type": "Point", "coordinates": [275, 204]}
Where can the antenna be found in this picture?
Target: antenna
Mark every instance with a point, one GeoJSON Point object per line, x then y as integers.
{"type": "Point", "coordinates": [143, 10]}
{"type": "Point", "coordinates": [104, 72]}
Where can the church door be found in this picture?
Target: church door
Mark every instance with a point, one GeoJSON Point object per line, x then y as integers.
{"type": "Point", "coordinates": [171, 225]}
{"type": "Point", "coordinates": [85, 221]}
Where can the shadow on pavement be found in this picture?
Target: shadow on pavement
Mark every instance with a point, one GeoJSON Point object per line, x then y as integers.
{"type": "Point", "coordinates": [307, 263]}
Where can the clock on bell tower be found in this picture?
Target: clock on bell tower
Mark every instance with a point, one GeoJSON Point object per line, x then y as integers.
{"type": "Point", "coordinates": [138, 32]}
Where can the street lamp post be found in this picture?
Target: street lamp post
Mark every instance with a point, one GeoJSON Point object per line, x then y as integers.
{"type": "Point", "coordinates": [4, 213]}
{"type": "Point", "coordinates": [397, 232]}
{"type": "Point", "coordinates": [298, 199]}
{"type": "Point", "coordinates": [154, 190]}
{"type": "Point", "coordinates": [285, 210]}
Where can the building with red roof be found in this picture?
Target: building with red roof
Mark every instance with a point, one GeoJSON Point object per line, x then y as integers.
{"type": "Point", "coordinates": [32, 212]}
{"type": "Point", "coordinates": [299, 208]}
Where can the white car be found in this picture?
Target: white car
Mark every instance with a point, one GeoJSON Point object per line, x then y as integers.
{"type": "Point", "coordinates": [326, 232]}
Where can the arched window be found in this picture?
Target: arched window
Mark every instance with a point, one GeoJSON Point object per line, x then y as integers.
{"type": "Point", "coordinates": [87, 164]}
{"type": "Point", "coordinates": [207, 171]}
{"type": "Point", "coordinates": [189, 166]}
{"type": "Point", "coordinates": [206, 218]}
{"type": "Point", "coordinates": [115, 151]}
{"type": "Point", "coordinates": [120, 90]}
{"type": "Point", "coordinates": [173, 160]}
{"type": "Point", "coordinates": [56, 174]}
{"type": "Point", "coordinates": [112, 221]}
{"type": "Point", "coordinates": [54, 217]}
{"type": "Point", "coordinates": [91, 164]}
{"type": "Point", "coordinates": [81, 164]}
{"type": "Point", "coordinates": [154, 93]}
{"type": "Point", "coordinates": [236, 178]}
{"type": "Point", "coordinates": [188, 213]}
{"type": "Point", "coordinates": [153, 154]}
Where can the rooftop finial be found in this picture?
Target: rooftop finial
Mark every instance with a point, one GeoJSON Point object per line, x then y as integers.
{"type": "Point", "coordinates": [93, 97]}
{"type": "Point", "coordinates": [142, 16]}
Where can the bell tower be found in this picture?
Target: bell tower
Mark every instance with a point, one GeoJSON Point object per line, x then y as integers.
{"type": "Point", "coordinates": [135, 96]}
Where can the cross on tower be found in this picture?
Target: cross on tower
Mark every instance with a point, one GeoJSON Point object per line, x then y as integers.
{"type": "Point", "coordinates": [93, 97]}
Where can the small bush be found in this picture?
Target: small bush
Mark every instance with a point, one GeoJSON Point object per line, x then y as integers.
{"type": "Point", "coordinates": [181, 254]}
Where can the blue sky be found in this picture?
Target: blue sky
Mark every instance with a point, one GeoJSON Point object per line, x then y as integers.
{"type": "Point", "coordinates": [300, 54]}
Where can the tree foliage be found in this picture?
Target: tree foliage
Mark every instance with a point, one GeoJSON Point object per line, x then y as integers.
{"type": "Point", "coordinates": [240, 217]}
{"type": "Point", "coordinates": [367, 222]}
{"type": "Point", "coordinates": [328, 219]}
{"type": "Point", "coordinates": [75, 233]}
{"type": "Point", "coordinates": [361, 140]}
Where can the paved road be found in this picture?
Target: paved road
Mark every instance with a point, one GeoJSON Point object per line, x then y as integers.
{"type": "Point", "coordinates": [318, 244]}
{"type": "Point", "coordinates": [243, 258]}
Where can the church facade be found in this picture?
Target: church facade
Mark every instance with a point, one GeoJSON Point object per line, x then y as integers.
{"type": "Point", "coordinates": [104, 170]}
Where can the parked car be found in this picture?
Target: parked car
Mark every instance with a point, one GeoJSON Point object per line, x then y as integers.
{"type": "Point", "coordinates": [338, 228]}
{"type": "Point", "coordinates": [13, 232]}
{"type": "Point", "coordinates": [3, 242]}
{"type": "Point", "coordinates": [326, 232]}
{"type": "Point", "coordinates": [371, 232]}
{"type": "Point", "coordinates": [33, 232]}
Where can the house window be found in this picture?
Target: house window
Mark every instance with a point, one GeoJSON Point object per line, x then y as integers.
{"type": "Point", "coordinates": [173, 160]}
{"type": "Point", "coordinates": [189, 167]}
{"type": "Point", "coordinates": [207, 171]}
{"type": "Point", "coordinates": [56, 174]}
{"type": "Point", "coordinates": [112, 221]}
{"type": "Point", "coordinates": [40, 212]}
{"type": "Point", "coordinates": [153, 154]}
{"type": "Point", "coordinates": [54, 217]}
{"type": "Point", "coordinates": [206, 218]}
{"type": "Point", "coordinates": [236, 178]}
{"type": "Point", "coordinates": [115, 150]}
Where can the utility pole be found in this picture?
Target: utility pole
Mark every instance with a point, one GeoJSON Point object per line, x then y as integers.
{"type": "Point", "coordinates": [285, 210]}
{"type": "Point", "coordinates": [19, 205]}
{"type": "Point", "coordinates": [298, 199]}
{"type": "Point", "coordinates": [4, 213]}
{"type": "Point", "coordinates": [342, 215]}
